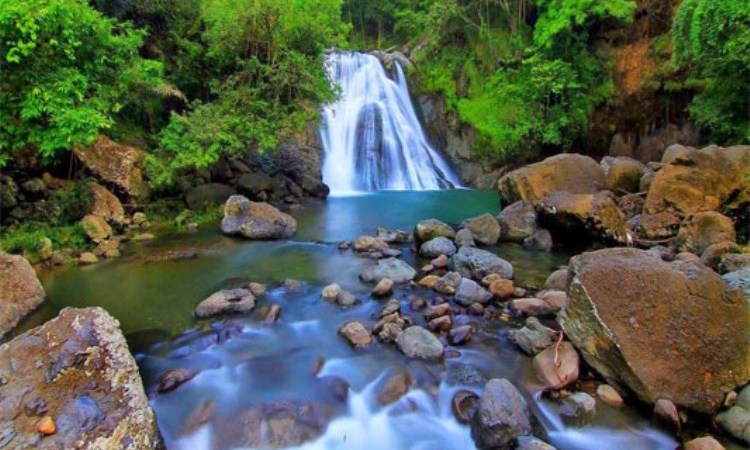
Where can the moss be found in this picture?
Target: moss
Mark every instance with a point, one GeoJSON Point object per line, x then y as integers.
{"type": "Point", "coordinates": [28, 239]}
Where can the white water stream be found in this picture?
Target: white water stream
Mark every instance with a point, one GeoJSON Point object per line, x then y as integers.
{"type": "Point", "coordinates": [371, 135]}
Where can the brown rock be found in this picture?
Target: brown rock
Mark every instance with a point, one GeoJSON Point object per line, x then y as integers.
{"type": "Point", "coordinates": [256, 220]}
{"type": "Point", "coordinates": [383, 288]}
{"type": "Point", "coordinates": [518, 221]}
{"type": "Point", "coordinates": [460, 335]}
{"type": "Point", "coordinates": [666, 412]}
{"type": "Point", "coordinates": [429, 281]}
{"type": "Point", "coordinates": [227, 301]}
{"type": "Point", "coordinates": [356, 334]}
{"type": "Point", "coordinates": [485, 229]}
{"type": "Point", "coordinates": [557, 367]}
{"type": "Point", "coordinates": [369, 244]}
{"type": "Point", "coordinates": [557, 280]}
{"type": "Point", "coordinates": [623, 317]}
{"type": "Point", "coordinates": [442, 323]}
{"type": "Point", "coordinates": [609, 395]}
{"type": "Point", "coordinates": [464, 405]}
{"type": "Point", "coordinates": [714, 253]}
{"type": "Point", "coordinates": [105, 204]}
{"type": "Point", "coordinates": [622, 174]}
{"type": "Point", "coordinates": [87, 258]}
{"type": "Point", "coordinates": [172, 379]}
{"type": "Point", "coordinates": [78, 358]}
{"type": "Point", "coordinates": [658, 226]}
{"type": "Point", "coordinates": [96, 228]}
{"type": "Point", "coordinates": [532, 307]}
{"type": "Point", "coordinates": [502, 289]}
{"type": "Point", "coordinates": [572, 173]}
{"type": "Point", "coordinates": [20, 290]}
{"type": "Point", "coordinates": [476, 309]}
{"type": "Point", "coordinates": [596, 213]}
{"type": "Point", "coordinates": [394, 388]}
{"type": "Point", "coordinates": [440, 262]}
{"type": "Point", "coordinates": [435, 311]}
{"type": "Point", "coordinates": [701, 230]}
{"type": "Point", "coordinates": [704, 443]}
{"type": "Point", "coordinates": [116, 164]}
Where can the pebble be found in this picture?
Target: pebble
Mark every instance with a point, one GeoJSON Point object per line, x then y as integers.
{"type": "Point", "coordinates": [46, 426]}
{"type": "Point", "coordinates": [609, 395]}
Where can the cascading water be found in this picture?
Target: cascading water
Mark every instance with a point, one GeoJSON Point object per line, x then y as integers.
{"type": "Point", "coordinates": [372, 137]}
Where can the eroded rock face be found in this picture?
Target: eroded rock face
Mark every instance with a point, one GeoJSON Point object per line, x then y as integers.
{"type": "Point", "coordinates": [116, 164]}
{"type": "Point", "coordinates": [20, 290]}
{"type": "Point", "coordinates": [255, 220]}
{"type": "Point", "coordinates": [644, 322]}
{"type": "Point", "coordinates": [106, 205]}
{"type": "Point", "coordinates": [301, 163]}
{"type": "Point", "coordinates": [568, 172]}
{"type": "Point", "coordinates": [78, 370]}
{"type": "Point", "coordinates": [596, 213]}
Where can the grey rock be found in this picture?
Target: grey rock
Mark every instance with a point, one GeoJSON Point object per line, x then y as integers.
{"type": "Point", "coordinates": [518, 221]}
{"type": "Point", "coordinates": [484, 228]}
{"type": "Point", "coordinates": [502, 416]}
{"type": "Point", "coordinates": [395, 269]}
{"type": "Point", "coordinates": [227, 301]}
{"type": "Point", "coordinates": [477, 264]}
{"type": "Point", "coordinates": [465, 238]}
{"type": "Point", "coordinates": [469, 292]}
{"type": "Point", "coordinates": [436, 247]}
{"type": "Point", "coordinates": [541, 240]}
{"type": "Point", "coordinates": [418, 343]}
{"type": "Point", "coordinates": [533, 337]}
{"type": "Point", "coordinates": [255, 220]}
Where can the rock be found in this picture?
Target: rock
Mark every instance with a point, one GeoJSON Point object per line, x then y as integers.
{"type": "Point", "coordinates": [369, 244]}
{"type": "Point", "coordinates": [228, 301]}
{"type": "Point", "coordinates": [396, 270]}
{"type": "Point", "coordinates": [393, 306]}
{"type": "Point", "coordinates": [460, 335]}
{"type": "Point", "coordinates": [437, 247]}
{"type": "Point", "coordinates": [464, 405]}
{"type": "Point", "coordinates": [346, 299]}
{"type": "Point", "coordinates": [558, 280]}
{"type": "Point", "coordinates": [429, 281]}
{"type": "Point", "coordinates": [518, 222]}
{"type": "Point", "coordinates": [395, 387]}
{"type": "Point", "coordinates": [271, 314]}
{"type": "Point", "coordinates": [477, 264]}
{"type": "Point", "coordinates": [502, 416]}
{"type": "Point", "coordinates": [143, 237]}
{"type": "Point", "coordinates": [570, 172]}
{"type": "Point", "coordinates": [448, 283]}
{"type": "Point", "coordinates": [440, 324]}
{"type": "Point", "coordinates": [578, 404]}
{"type": "Point", "coordinates": [464, 237]}
{"type": "Point", "coordinates": [252, 184]}
{"type": "Point", "coordinates": [532, 443]}
{"type": "Point", "coordinates": [417, 343]}
{"type": "Point", "coordinates": [172, 379]}
{"type": "Point", "coordinates": [554, 376]}
{"type": "Point", "coordinates": [596, 214]}
{"type": "Point", "coordinates": [736, 420]}
{"type": "Point", "coordinates": [292, 285]}
{"type": "Point", "coordinates": [8, 192]}
{"type": "Point", "coordinates": [257, 289]}
{"type": "Point", "coordinates": [556, 299]}
{"type": "Point", "coordinates": [502, 289]}
{"type": "Point", "coordinates": [87, 258]}
{"type": "Point", "coordinates": [208, 194]}
{"type": "Point", "coordinates": [485, 229]}
{"type": "Point", "coordinates": [465, 375]}
{"type": "Point", "coordinates": [739, 280]}
{"type": "Point", "coordinates": [622, 316]}
{"type": "Point", "coordinates": [96, 228]}
{"type": "Point", "coordinates": [658, 226]}
{"type": "Point", "coordinates": [532, 307]}
{"type": "Point", "coordinates": [330, 292]}
{"type": "Point", "coordinates": [80, 365]}
{"type": "Point", "coordinates": [541, 241]}
{"type": "Point", "coordinates": [533, 337]}
{"type": "Point", "coordinates": [390, 327]}
{"type": "Point", "coordinates": [700, 230]}
{"type": "Point", "coordinates": [609, 395]}
{"type": "Point", "coordinates": [301, 163]}
{"type": "Point", "coordinates": [441, 262]}
{"type": "Point", "coordinates": [666, 412]}
{"type": "Point", "coordinates": [116, 164]}
{"type": "Point", "coordinates": [704, 443]}
{"type": "Point", "coordinates": [429, 229]}
{"type": "Point", "coordinates": [383, 288]}
{"type": "Point", "coordinates": [622, 174]}
{"type": "Point", "coordinates": [469, 292]}
{"type": "Point", "coordinates": [714, 253]}
{"type": "Point", "coordinates": [393, 236]}
{"type": "Point", "coordinates": [356, 334]}
{"type": "Point", "coordinates": [105, 204]}
{"type": "Point", "coordinates": [45, 248]}
{"type": "Point", "coordinates": [20, 290]}
{"type": "Point", "coordinates": [436, 311]}
{"type": "Point", "coordinates": [255, 220]}
{"type": "Point", "coordinates": [694, 180]}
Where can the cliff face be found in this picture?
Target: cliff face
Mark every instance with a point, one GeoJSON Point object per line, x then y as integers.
{"type": "Point", "coordinates": [647, 113]}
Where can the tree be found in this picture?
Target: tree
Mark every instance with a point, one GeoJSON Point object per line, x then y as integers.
{"type": "Point", "coordinates": [65, 71]}
{"type": "Point", "coordinates": [712, 43]}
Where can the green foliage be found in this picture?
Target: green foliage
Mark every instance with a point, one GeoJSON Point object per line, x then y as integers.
{"type": "Point", "coordinates": [267, 79]}
{"type": "Point", "coordinates": [65, 71]}
{"type": "Point", "coordinates": [562, 20]}
{"type": "Point", "coordinates": [712, 42]}
{"type": "Point", "coordinates": [28, 239]}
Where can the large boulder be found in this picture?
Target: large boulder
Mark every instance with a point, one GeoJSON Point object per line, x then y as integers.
{"type": "Point", "coordinates": [570, 172]}
{"type": "Point", "coordinates": [20, 290]}
{"type": "Point", "coordinates": [502, 416]}
{"type": "Point", "coordinates": [476, 263]}
{"type": "Point", "coordinates": [695, 180]}
{"type": "Point", "coordinates": [208, 194]}
{"type": "Point", "coordinates": [74, 374]}
{"type": "Point", "coordinates": [227, 301]}
{"type": "Point", "coordinates": [105, 204]}
{"type": "Point", "coordinates": [429, 229]}
{"type": "Point", "coordinates": [485, 229]}
{"type": "Point", "coordinates": [96, 228]}
{"type": "Point", "coordinates": [118, 165]}
{"type": "Point", "coordinates": [395, 269]}
{"type": "Point", "coordinates": [517, 221]}
{"type": "Point", "coordinates": [597, 214]}
{"type": "Point", "coordinates": [701, 230]}
{"type": "Point", "coordinates": [255, 220]}
{"type": "Point", "coordinates": [622, 173]}
{"type": "Point", "coordinates": [665, 330]}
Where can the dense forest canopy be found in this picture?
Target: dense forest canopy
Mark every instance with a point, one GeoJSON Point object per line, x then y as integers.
{"type": "Point", "coordinates": [191, 80]}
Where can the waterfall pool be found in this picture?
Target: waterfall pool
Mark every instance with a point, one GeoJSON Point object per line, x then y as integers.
{"type": "Point", "coordinates": [297, 383]}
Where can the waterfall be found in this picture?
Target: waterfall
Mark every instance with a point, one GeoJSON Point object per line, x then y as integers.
{"type": "Point", "coordinates": [371, 135]}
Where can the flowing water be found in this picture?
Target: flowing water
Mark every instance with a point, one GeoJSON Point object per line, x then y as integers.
{"type": "Point", "coordinates": [298, 364]}
{"type": "Point", "coordinates": [372, 136]}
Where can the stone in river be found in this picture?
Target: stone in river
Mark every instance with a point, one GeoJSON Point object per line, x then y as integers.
{"type": "Point", "coordinates": [418, 343]}
{"type": "Point", "coordinates": [395, 269]}
{"type": "Point", "coordinates": [502, 416]}
{"type": "Point", "coordinates": [356, 334]}
{"type": "Point", "coordinates": [477, 264]}
{"type": "Point", "coordinates": [557, 367]}
{"type": "Point", "coordinates": [227, 301]}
